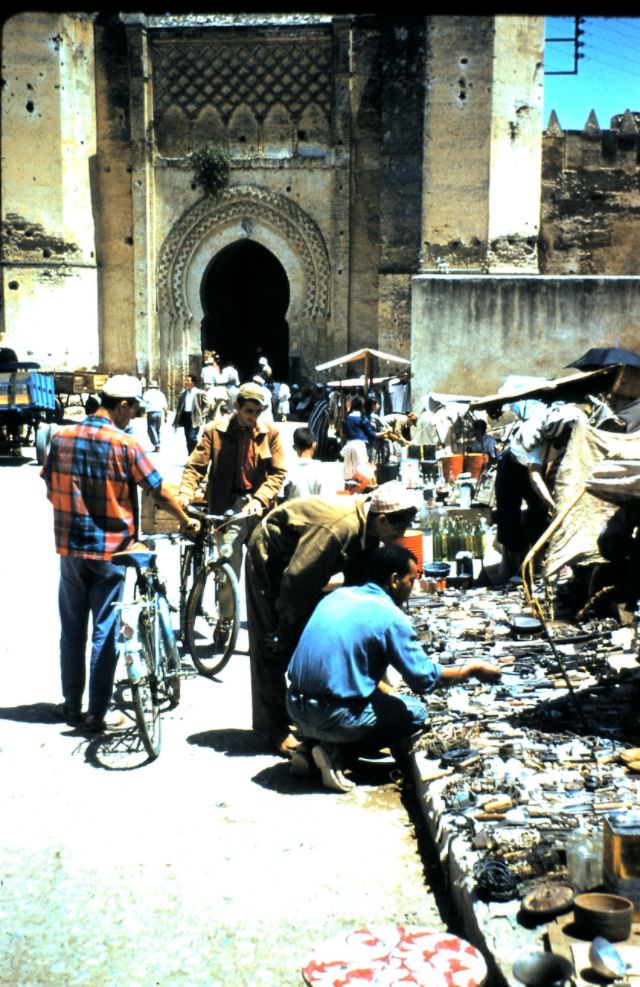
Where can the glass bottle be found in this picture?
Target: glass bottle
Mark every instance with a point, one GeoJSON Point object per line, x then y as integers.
{"type": "Point", "coordinates": [584, 859]}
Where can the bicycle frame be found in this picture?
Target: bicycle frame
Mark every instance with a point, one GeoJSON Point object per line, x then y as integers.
{"type": "Point", "coordinates": [147, 644]}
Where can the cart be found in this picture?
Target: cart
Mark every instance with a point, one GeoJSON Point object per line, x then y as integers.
{"type": "Point", "coordinates": [27, 402]}
{"type": "Point", "coordinates": [68, 385]}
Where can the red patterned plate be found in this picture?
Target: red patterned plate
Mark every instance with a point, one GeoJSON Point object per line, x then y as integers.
{"type": "Point", "coordinates": [395, 956]}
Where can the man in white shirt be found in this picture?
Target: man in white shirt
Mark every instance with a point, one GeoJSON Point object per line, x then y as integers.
{"type": "Point", "coordinates": [157, 411]}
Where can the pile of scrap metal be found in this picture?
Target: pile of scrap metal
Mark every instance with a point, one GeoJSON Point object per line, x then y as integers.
{"type": "Point", "coordinates": [512, 770]}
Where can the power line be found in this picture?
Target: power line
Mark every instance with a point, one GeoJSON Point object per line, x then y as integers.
{"type": "Point", "coordinates": [616, 53]}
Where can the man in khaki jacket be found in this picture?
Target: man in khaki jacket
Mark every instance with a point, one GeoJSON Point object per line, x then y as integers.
{"type": "Point", "coordinates": [291, 556]}
{"type": "Point", "coordinates": [242, 462]}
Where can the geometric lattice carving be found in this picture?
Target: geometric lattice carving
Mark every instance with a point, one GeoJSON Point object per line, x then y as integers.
{"type": "Point", "coordinates": [192, 74]}
{"type": "Point", "coordinates": [245, 205]}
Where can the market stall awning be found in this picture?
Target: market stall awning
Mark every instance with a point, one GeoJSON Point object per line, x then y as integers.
{"type": "Point", "coordinates": [363, 354]}
{"type": "Point", "coordinates": [569, 388]}
{"type": "Point", "coordinates": [358, 381]}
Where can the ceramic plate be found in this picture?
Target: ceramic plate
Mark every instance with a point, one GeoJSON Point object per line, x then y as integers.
{"type": "Point", "coordinates": [395, 956]}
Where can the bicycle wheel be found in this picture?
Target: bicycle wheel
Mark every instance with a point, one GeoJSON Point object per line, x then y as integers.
{"type": "Point", "coordinates": [211, 638]}
{"type": "Point", "coordinates": [145, 696]}
{"type": "Point", "coordinates": [169, 670]}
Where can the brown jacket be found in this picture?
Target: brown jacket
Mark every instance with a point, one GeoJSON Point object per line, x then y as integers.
{"type": "Point", "coordinates": [299, 545]}
{"type": "Point", "coordinates": [221, 492]}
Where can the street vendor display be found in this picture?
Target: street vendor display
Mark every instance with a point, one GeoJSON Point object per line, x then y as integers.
{"type": "Point", "coordinates": [522, 794]}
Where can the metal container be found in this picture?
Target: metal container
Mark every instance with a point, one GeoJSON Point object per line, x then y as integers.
{"type": "Point", "coordinates": [621, 857]}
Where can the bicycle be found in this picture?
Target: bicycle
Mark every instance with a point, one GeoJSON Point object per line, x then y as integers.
{"type": "Point", "coordinates": [147, 643]}
{"type": "Point", "coordinates": [205, 574]}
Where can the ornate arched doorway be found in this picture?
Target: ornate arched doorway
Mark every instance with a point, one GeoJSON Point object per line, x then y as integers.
{"type": "Point", "coordinates": [245, 298]}
{"type": "Point", "coordinates": [255, 216]}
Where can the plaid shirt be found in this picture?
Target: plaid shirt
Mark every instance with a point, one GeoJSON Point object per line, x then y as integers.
{"type": "Point", "coordinates": [91, 472]}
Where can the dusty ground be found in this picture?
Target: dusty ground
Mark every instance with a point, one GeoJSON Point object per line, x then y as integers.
{"type": "Point", "coordinates": [211, 865]}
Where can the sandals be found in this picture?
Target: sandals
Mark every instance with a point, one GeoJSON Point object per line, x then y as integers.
{"type": "Point", "coordinates": [326, 760]}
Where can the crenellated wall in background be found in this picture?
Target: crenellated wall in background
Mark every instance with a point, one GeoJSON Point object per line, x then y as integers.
{"type": "Point", "coordinates": [591, 198]}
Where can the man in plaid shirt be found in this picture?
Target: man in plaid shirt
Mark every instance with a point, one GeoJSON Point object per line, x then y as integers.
{"type": "Point", "coordinates": [91, 474]}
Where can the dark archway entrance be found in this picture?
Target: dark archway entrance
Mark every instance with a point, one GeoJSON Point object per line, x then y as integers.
{"type": "Point", "coordinates": [245, 297]}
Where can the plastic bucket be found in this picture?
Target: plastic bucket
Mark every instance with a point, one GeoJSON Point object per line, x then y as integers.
{"type": "Point", "coordinates": [474, 463]}
{"type": "Point", "coordinates": [387, 472]}
{"type": "Point", "coordinates": [452, 466]}
{"type": "Point", "coordinates": [413, 541]}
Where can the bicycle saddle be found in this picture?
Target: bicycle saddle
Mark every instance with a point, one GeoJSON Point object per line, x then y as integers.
{"type": "Point", "coordinates": [137, 555]}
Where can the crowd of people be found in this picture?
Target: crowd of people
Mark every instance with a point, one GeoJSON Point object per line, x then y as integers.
{"type": "Point", "coordinates": [316, 697]}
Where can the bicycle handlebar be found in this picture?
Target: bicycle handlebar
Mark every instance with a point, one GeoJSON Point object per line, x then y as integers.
{"type": "Point", "coordinates": [220, 519]}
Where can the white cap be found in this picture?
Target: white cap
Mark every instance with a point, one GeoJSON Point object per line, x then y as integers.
{"type": "Point", "coordinates": [123, 386]}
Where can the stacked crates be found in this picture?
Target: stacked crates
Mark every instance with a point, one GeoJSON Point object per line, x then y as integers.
{"type": "Point", "coordinates": [26, 390]}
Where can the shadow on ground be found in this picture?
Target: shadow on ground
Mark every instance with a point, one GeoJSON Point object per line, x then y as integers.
{"type": "Point", "coordinates": [15, 460]}
{"type": "Point", "coordinates": [233, 742]}
{"type": "Point", "coordinates": [32, 713]}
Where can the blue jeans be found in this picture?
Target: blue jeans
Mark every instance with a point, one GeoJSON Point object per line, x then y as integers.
{"type": "Point", "coordinates": [88, 586]}
{"type": "Point", "coordinates": [380, 720]}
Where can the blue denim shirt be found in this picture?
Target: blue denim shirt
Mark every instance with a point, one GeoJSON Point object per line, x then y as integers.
{"type": "Point", "coordinates": [350, 639]}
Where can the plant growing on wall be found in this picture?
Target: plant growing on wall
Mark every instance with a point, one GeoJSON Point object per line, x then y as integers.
{"type": "Point", "coordinates": [211, 165]}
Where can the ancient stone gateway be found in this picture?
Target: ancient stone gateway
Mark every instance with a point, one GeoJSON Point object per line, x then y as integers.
{"type": "Point", "coordinates": [241, 213]}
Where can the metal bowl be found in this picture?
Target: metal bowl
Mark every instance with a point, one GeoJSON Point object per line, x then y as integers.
{"type": "Point", "coordinates": [547, 899]}
{"type": "Point", "coordinates": [525, 626]}
{"type": "Point", "coordinates": [605, 959]}
{"type": "Point", "coordinates": [543, 970]}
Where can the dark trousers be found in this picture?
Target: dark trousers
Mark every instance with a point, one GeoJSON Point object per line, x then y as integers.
{"type": "Point", "coordinates": [517, 530]}
{"type": "Point", "coordinates": [190, 432]}
{"type": "Point", "coordinates": [268, 666]}
{"type": "Point", "coordinates": [154, 421]}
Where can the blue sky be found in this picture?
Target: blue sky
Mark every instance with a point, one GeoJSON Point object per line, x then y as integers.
{"type": "Point", "coordinates": [608, 79]}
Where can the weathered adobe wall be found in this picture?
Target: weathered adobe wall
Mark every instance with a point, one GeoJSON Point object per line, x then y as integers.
{"type": "Point", "coordinates": [469, 333]}
{"type": "Point", "coordinates": [483, 104]}
{"type": "Point", "coordinates": [401, 69]}
{"type": "Point", "coordinates": [590, 221]}
{"type": "Point", "coordinates": [49, 284]}
{"type": "Point", "coordinates": [112, 177]}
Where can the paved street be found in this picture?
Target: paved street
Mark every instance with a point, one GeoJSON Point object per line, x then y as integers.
{"type": "Point", "coordinates": [211, 865]}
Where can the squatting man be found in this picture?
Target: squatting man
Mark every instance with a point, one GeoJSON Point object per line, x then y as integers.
{"type": "Point", "coordinates": [337, 694]}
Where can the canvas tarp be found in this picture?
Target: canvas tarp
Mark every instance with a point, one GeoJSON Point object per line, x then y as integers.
{"type": "Point", "coordinates": [575, 540]}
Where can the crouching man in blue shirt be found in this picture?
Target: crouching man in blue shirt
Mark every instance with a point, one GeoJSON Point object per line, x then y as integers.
{"type": "Point", "coordinates": [336, 690]}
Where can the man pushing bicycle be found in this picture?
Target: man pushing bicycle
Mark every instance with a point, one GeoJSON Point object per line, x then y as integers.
{"type": "Point", "coordinates": [242, 461]}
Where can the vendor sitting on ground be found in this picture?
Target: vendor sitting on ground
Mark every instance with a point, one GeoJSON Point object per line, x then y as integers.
{"type": "Point", "coordinates": [337, 695]}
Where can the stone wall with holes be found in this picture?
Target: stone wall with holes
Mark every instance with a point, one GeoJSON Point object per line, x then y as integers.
{"type": "Point", "coordinates": [49, 281]}
{"type": "Point", "coordinates": [482, 157]}
{"type": "Point", "coordinates": [590, 220]}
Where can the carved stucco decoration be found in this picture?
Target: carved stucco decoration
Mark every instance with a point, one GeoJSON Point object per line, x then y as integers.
{"type": "Point", "coordinates": [270, 219]}
{"type": "Point", "coordinates": [225, 75]}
